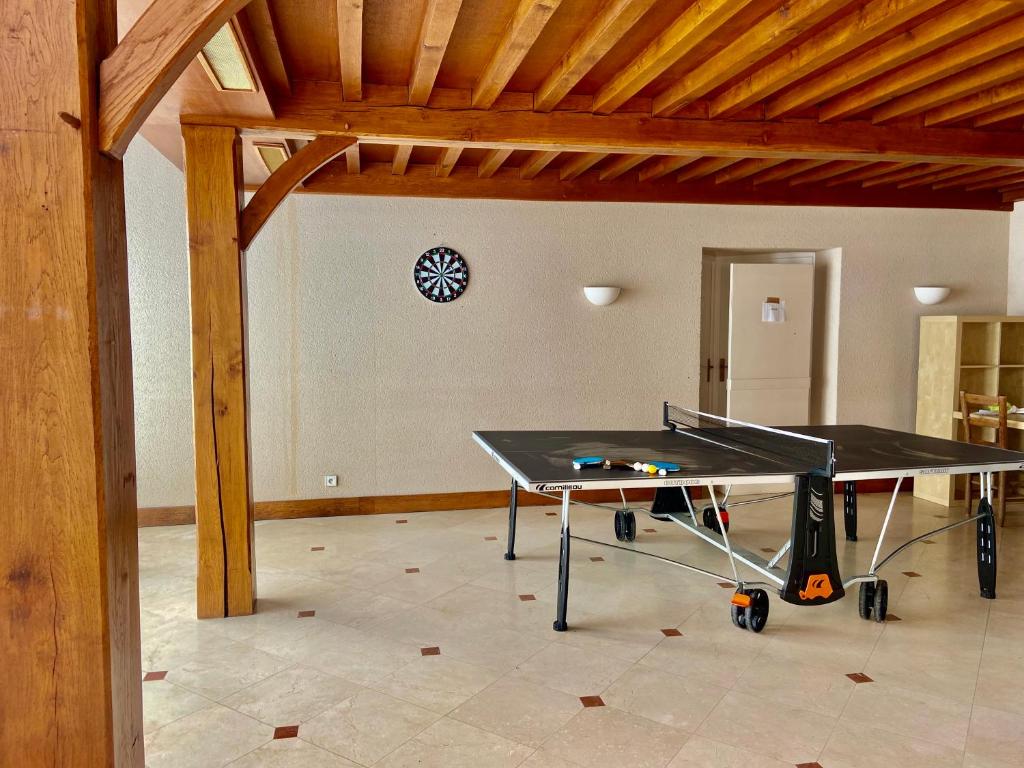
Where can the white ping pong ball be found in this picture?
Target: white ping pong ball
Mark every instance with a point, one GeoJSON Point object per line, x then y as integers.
{"type": "Point", "coordinates": [663, 472]}
{"type": "Point", "coordinates": [637, 466]}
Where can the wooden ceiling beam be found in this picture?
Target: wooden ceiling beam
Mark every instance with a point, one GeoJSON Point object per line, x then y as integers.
{"type": "Point", "coordinates": [705, 166]}
{"type": "Point", "coordinates": [746, 168]}
{"type": "Point", "coordinates": [449, 158]}
{"type": "Point", "coordinates": [902, 174]}
{"type": "Point", "coordinates": [350, 48]}
{"type": "Point", "coordinates": [665, 166]}
{"type": "Point", "coordinates": [859, 28]}
{"type": "Point", "coordinates": [264, 28]}
{"type": "Point", "coordinates": [824, 172]}
{"type": "Point", "coordinates": [864, 172]}
{"type": "Point", "coordinates": [957, 23]}
{"type": "Point", "coordinates": [620, 165]}
{"type": "Point", "coordinates": [978, 49]}
{"type": "Point", "coordinates": [1007, 94]}
{"type": "Point", "coordinates": [535, 163]}
{"type": "Point", "coordinates": [401, 160]}
{"type": "Point", "coordinates": [699, 21]}
{"type": "Point", "coordinates": [613, 21]}
{"type": "Point", "coordinates": [625, 133]}
{"type": "Point", "coordinates": [435, 32]}
{"type": "Point", "coordinates": [979, 175]}
{"type": "Point", "coordinates": [785, 170]}
{"type": "Point", "coordinates": [352, 159]}
{"type": "Point", "coordinates": [1010, 112]}
{"type": "Point", "coordinates": [1013, 197]}
{"type": "Point", "coordinates": [931, 178]}
{"type": "Point", "coordinates": [996, 72]}
{"type": "Point", "coordinates": [492, 161]}
{"type": "Point", "coordinates": [506, 185]}
{"type": "Point", "coordinates": [998, 183]}
{"type": "Point", "coordinates": [771, 33]}
{"type": "Point", "coordinates": [579, 163]}
{"type": "Point", "coordinates": [522, 32]}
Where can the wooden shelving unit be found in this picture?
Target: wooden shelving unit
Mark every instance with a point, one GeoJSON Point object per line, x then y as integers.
{"type": "Point", "coordinates": [976, 353]}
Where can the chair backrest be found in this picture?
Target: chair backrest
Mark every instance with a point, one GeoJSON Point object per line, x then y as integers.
{"type": "Point", "coordinates": [969, 403]}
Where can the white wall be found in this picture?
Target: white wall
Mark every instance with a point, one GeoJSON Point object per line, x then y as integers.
{"type": "Point", "coordinates": [354, 373]}
{"type": "Point", "coordinates": [1015, 272]}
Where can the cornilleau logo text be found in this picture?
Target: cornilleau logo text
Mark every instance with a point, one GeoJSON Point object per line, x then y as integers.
{"type": "Point", "coordinates": [559, 487]}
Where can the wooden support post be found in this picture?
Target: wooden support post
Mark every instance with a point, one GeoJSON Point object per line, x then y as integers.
{"type": "Point", "coordinates": [224, 511]}
{"type": "Point", "coordinates": [69, 602]}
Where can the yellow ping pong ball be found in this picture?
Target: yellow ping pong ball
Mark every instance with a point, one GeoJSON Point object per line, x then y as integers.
{"type": "Point", "coordinates": [652, 469]}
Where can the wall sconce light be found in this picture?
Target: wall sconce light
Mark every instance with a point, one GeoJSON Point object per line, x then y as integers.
{"type": "Point", "coordinates": [601, 295]}
{"type": "Point", "coordinates": [931, 294]}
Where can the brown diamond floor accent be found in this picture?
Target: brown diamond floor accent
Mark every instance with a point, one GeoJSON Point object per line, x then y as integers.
{"type": "Point", "coordinates": [911, 574]}
{"type": "Point", "coordinates": [927, 541]}
{"type": "Point", "coordinates": [306, 614]}
{"type": "Point", "coordinates": [859, 677]}
{"type": "Point", "coordinates": [671, 633]}
{"type": "Point", "coordinates": [726, 585]}
{"type": "Point", "coordinates": [286, 732]}
{"type": "Point", "coordinates": [591, 701]}
{"type": "Point", "coordinates": [892, 617]}
{"type": "Point", "coordinates": [527, 598]}
{"type": "Point", "coordinates": [412, 570]}
{"type": "Point", "coordinates": [551, 514]}
{"type": "Point", "coordinates": [490, 538]}
{"type": "Point", "coordinates": [650, 530]}
{"type": "Point", "coordinates": [597, 559]}
{"type": "Point", "coordinates": [151, 676]}
{"type": "Point", "coordinates": [316, 549]}
{"type": "Point", "coordinates": [769, 550]}
{"type": "Point", "coordinates": [399, 522]}
{"type": "Point", "coordinates": [808, 765]}
{"type": "Point", "coordinates": [431, 651]}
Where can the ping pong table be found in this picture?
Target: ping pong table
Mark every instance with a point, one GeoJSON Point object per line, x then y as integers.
{"type": "Point", "coordinates": [712, 451]}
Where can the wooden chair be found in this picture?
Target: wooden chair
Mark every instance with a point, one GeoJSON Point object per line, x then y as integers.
{"type": "Point", "coordinates": [973, 426]}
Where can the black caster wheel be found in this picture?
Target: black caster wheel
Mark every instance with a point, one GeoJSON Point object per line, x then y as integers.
{"type": "Point", "coordinates": [866, 599]}
{"type": "Point", "coordinates": [880, 603]}
{"type": "Point", "coordinates": [756, 614]}
{"type": "Point", "coordinates": [625, 525]}
{"type": "Point", "coordinates": [711, 520]}
{"type": "Point", "coordinates": [738, 615]}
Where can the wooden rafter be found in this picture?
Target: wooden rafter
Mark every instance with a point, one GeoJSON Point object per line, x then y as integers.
{"type": "Point", "coordinates": [666, 165]}
{"type": "Point", "coordinates": [435, 32]}
{"type": "Point", "coordinates": [1013, 197]}
{"type": "Point", "coordinates": [705, 166]}
{"type": "Point", "coordinates": [695, 24]}
{"type": "Point", "coordinates": [956, 23]}
{"type": "Point", "coordinates": [902, 174]}
{"type": "Point", "coordinates": [350, 48]}
{"type": "Point", "coordinates": [846, 35]}
{"type": "Point", "coordinates": [785, 170]}
{"type": "Point", "coordinates": [492, 161]}
{"type": "Point", "coordinates": [983, 47]}
{"type": "Point", "coordinates": [613, 21]}
{"type": "Point", "coordinates": [941, 175]}
{"type": "Point", "coordinates": [626, 133]}
{"type": "Point", "coordinates": [401, 160]}
{"type": "Point", "coordinates": [448, 160]}
{"type": "Point", "coordinates": [745, 169]}
{"type": "Point", "coordinates": [579, 164]}
{"type": "Point", "coordinates": [996, 72]}
{"type": "Point", "coordinates": [771, 33]}
{"type": "Point", "coordinates": [864, 172]}
{"type": "Point", "coordinates": [1007, 94]}
{"type": "Point", "coordinates": [1009, 112]}
{"type": "Point", "coordinates": [620, 165]}
{"type": "Point", "coordinates": [522, 32]}
{"type": "Point", "coordinates": [352, 159]}
{"type": "Point", "coordinates": [535, 163]}
{"type": "Point", "coordinates": [999, 183]}
{"type": "Point", "coordinates": [264, 27]}
{"type": "Point", "coordinates": [979, 175]}
{"type": "Point", "coordinates": [147, 61]}
{"type": "Point", "coordinates": [823, 172]}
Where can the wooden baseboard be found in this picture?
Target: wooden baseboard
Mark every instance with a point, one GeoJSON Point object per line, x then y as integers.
{"type": "Point", "coordinates": [429, 502]}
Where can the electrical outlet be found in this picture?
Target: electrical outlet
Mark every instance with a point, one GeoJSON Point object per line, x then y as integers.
{"type": "Point", "coordinates": [330, 481]}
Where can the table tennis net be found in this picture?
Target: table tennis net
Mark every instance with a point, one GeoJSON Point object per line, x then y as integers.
{"type": "Point", "coordinates": [811, 454]}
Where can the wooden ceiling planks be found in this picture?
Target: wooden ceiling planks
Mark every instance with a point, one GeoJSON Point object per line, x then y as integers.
{"type": "Point", "coordinates": [824, 94]}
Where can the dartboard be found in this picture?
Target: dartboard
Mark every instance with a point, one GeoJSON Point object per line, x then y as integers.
{"type": "Point", "coordinates": [441, 274]}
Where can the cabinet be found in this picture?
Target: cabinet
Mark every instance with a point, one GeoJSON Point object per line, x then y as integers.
{"type": "Point", "coordinates": [976, 353]}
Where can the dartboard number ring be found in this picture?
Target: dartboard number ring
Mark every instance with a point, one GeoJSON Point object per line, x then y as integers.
{"type": "Point", "coordinates": [441, 274]}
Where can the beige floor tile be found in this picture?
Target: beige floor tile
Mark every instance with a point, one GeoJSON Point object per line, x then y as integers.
{"type": "Point", "coordinates": [1001, 682]}
{"type": "Point", "coordinates": [663, 697]}
{"type": "Point", "coordinates": [950, 674]}
{"type": "Point", "coordinates": [291, 753]}
{"type": "Point", "coordinates": [519, 710]}
{"type": "Point", "coordinates": [996, 736]}
{"type": "Point", "coordinates": [293, 696]}
{"type": "Point", "coordinates": [210, 737]}
{"type": "Point", "coordinates": [605, 737]}
{"type": "Point", "coordinates": [216, 674]}
{"type": "Point", "coordinates": [771, 729]}
{"type": "Point", "coordinates": [367, 726]}
{"type": "Point", "coordinates": [568, 669]}
{"type": "Point", "coordinates": [360, 609]}
{"type": "Point", "coordinates": [800, 686]}
{"type": "Point", "coordinates": [163, 702]}
{"type": "Point", "coordinates": [861, 747]}
{"type": "Point", "coordinates": [699, 752]}
{"type": "Point", "coordinates": [451, 744]}
{"type": "Point", "coordinates": [911, 713]}
{"type": "Point", "coordinates": [544, 759]}
{"type": "Point", "coordinates": [437, 683]}
{"type": "Point", "coordinates": [353, 654]}
{"type": "Point", "coordinates": [718, 656]}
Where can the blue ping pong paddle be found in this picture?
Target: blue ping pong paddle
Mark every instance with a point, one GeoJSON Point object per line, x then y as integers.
{"type": "Point", "coordinates": [587, 461]}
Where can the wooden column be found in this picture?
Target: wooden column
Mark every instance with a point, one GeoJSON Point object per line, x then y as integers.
{"type": "Point", "coordinates": [71, 689]}
{"type": "Point", "coordinates": [224, 512]}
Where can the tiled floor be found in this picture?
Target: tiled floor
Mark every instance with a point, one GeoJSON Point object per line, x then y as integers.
{"type": "Point", "coordinates": [416, 644]}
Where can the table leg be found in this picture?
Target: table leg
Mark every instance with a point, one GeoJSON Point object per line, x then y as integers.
{"type": "Point", "coordinates": [986, 541]}
{"type": "Point", "coordinates": [513, 502]}
{"type": "Point", "coordinates": [850, 509]}
{"type": "Point", "coordinates": [560, 624]}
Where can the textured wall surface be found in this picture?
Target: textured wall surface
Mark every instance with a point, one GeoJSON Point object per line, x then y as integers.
{"type": "Point", "coordinates": [1015, 272]}
{"type": "Point", "coordinates": [354, 373]}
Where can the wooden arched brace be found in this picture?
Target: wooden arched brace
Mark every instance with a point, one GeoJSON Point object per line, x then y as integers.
{"type": "Point", "coordinates": [150, 58]}
{"type": "Point", "coordinates": [287, 177]}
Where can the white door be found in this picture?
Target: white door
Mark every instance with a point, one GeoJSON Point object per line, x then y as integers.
{"type": "Point", "coordinates": [770, 325]}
